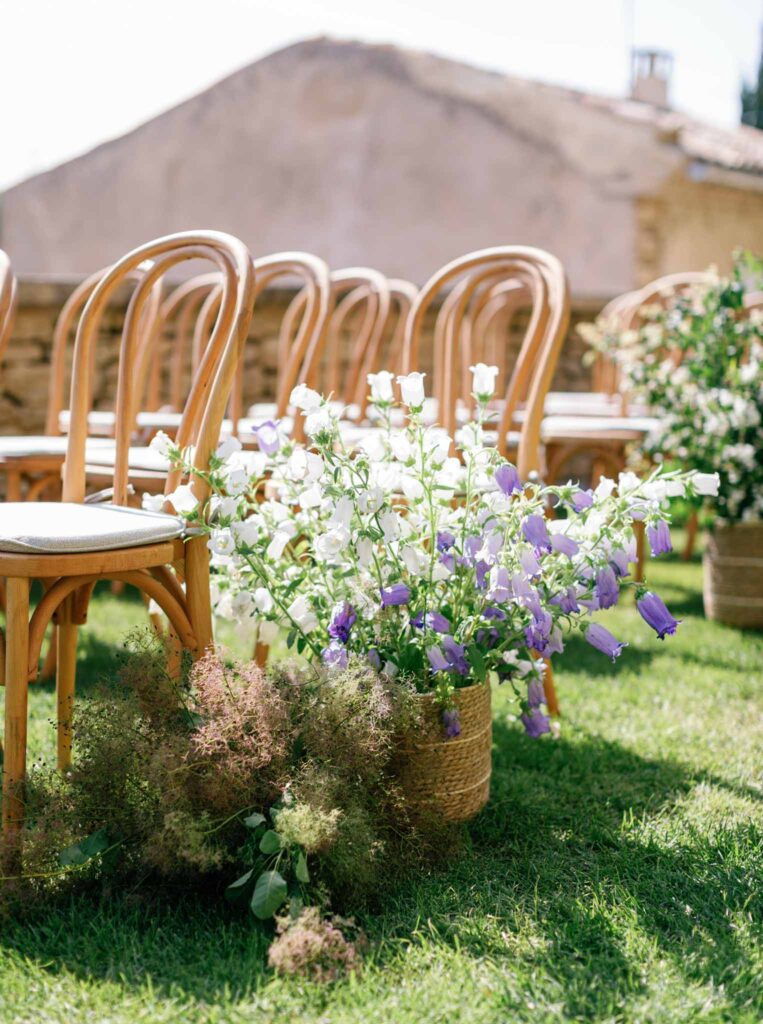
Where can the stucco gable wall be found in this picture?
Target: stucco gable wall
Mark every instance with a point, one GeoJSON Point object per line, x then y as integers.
{"type": "Point", "coordinates": [344, 152]}
{"type": "Point", "coordinates": [691, 225]}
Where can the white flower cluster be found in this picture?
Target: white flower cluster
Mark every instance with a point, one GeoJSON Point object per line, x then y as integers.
{"type": "Point", "coordinates": [424, 555]}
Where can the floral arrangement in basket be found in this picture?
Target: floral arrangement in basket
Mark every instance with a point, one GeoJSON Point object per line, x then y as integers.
{"type": "Point", "coordinates": [425, 556]}
{"type": "Point", "coordinates": [698, 365]}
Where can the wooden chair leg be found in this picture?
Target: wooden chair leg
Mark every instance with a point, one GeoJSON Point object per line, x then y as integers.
{"type": "Point", "coordinates": [261, 652]}
{"type": "Point", "coordinates": [12, 485]}
{"type": "Point", "coordinates": [66, 671]}
{"type": "Point", "coordinates": [197, 593]}
{"type": "Point", "coordinates": [552, 701]}
{"type": "Point", "coordinates": [692, 528]}
{"type": "Point", "coordinates": [16, 687]}
{"type": "Point", "coordinates": [638, 530]}
{"type": "Point", "coordinates": [50, 661]}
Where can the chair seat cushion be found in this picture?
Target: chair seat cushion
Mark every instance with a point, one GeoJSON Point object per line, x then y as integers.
{"type": "Point", "coordinates": [47, 446]}
{"type": "Point", "coordinates": [138, 457]}
{"type": "Point", "coordinates": [53, 527]}
{"type": "Point", "coordinates": [562, 428]}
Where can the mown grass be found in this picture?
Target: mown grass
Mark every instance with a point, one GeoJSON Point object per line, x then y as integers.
{"type": "Point", "coordinates": [616, 875]}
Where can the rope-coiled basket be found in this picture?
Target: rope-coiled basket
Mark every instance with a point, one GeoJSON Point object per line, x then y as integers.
{"type": "Point", "coordinates": [448, 777]}
{"type": "Point", "coordinates": [733, 582]}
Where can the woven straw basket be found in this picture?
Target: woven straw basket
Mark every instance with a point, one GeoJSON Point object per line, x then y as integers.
{"type": "Point", "coordinates": [734, 575]}
{"type": "Point", "coordinates": [449, 777]}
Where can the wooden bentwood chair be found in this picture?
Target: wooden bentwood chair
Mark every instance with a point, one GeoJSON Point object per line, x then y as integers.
{"type": "Point", "coordinates": [71, 545]}
{"type": "Point", "coordinates": [8, 295]}
{"type": "Point", "coordinates": [543, 284]}
{"type": "Point", "coordinates": [476, 279]}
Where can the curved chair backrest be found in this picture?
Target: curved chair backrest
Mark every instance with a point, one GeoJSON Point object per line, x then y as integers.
{"type": "Point", "coordinates": [354, 290]}
{"type": "Point", "coordinates": [307, 328]}
{"type": "Point", "coordinates": [8, 299]}
{"type": "Point", "coordinates": [66, 323]}
{"type": "Point", "coordinates": [205, 407]}
{"type": "Point", "coordinates": [543, 277]}
{"type": "Point", "coordinates": [304, 324]}
{"type": "Point", "coordinates": [489, 323]}
{"type": "Point", "coordinates": [176, 328]}
{"type": "Point", "coordinates": [402, 294]}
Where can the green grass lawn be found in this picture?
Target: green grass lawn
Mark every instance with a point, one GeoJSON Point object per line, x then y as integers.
{"type": "Point", "coordinates": [616, 875]}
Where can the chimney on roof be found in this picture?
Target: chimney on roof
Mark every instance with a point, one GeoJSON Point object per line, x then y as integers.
{"type": "Point", "coordinates": [650, 76]}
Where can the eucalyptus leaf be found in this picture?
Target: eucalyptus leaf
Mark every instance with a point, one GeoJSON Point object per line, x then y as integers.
{"type": "Point", "coordinates": [270, 842]}
{"type": "Point", "coordinates": [235, 889]}
{"type": "Point", "coordinates": [83, 851]}
{"type": "Point", "coordinates": [255, 819]}
{"type": "Point", "coordinates": [269, 893]}
{"type": "Point", "coordinates": [303, 875]}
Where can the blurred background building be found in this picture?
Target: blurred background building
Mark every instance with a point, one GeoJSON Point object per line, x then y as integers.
{"type": "Point", "coordinates": [397, 159]}
{"type": "Point", "coordinates": [401, 160]}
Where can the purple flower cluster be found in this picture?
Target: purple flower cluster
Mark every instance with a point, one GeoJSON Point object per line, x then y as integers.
{"type": "Point", "coordinates": [449, 657]}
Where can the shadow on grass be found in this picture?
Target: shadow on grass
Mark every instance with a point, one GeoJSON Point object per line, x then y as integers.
{"type": "Point", "coordinates": [569, 850]}
{"type": "Point", "coordinates": [584, 659]}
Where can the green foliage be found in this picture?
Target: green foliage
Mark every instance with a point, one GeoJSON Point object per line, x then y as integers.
{"type": "Point", "coordinates": [269, 893]}
{"type": "Point", "coordinates": [698, 365]}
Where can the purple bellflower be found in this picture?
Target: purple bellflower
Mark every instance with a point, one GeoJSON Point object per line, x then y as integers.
{"type": "Point", "coordinates": [536, 693]}
{"type": "Point", "coordinates": [567, 601]}
{"type": "Point", "coordinates": [537, 634]}
{"type": "Point", "coordinates": [601, 638]}
{"type": "Point", "coordinates": [620, 562]}
{"type": "Point", "coordinates": [534, 529]}
{"type": "Point", "coordinates": [445, 541]}
{"type": "Point", "coordinates": [566, 545]}
{"type": "Point", "coordinates": [456, 655]}
{"type": "Point", "coordinates": [659, 538]}
{"type": "Point", "coordinates": [267, 437]}
{"type": "Point", "coordinates": [437, 659]}
{"type": "Point", "coordinates": [335, 655]}
{"type": "Point", "coordinates": [653, 611]}
{"type": "Point", "coordinates": [451, 722]}
{"type": "Point", "coordinates": [607, 589]}
{"type": "Point", "coordinates": [535, 723]}
{"type": "Point", "coordinates": [397, 594]}
{"type": "Point", "coordinates": [582, 500]}
{"type": "Point", "coordinates": [342, 622]}
{"type": "Point", "coordinates": [507, 479]}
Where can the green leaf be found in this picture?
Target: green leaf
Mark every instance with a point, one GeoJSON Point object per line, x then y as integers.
{"type": "Point", "coordinates": [270, 842]}
{"type": "Point", "coordinates": [269, 893]}
{"type": "Point", "coordinates": [84, 850]}
{"type": "Point", "coordinates": [303, 875]}
{"type": "Point", "coordinates": [235, 889]}
{"type": "Point", "coordinates": [254, 820]}
{"type": "Point", "coordinates": [474, 654]}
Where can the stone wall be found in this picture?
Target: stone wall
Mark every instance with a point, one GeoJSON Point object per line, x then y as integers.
{"type": "Point", "coordinates": [24, 375]}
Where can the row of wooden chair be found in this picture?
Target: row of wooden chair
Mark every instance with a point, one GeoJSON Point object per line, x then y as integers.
{"type": "Point", "coordinates": [182, 368]}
